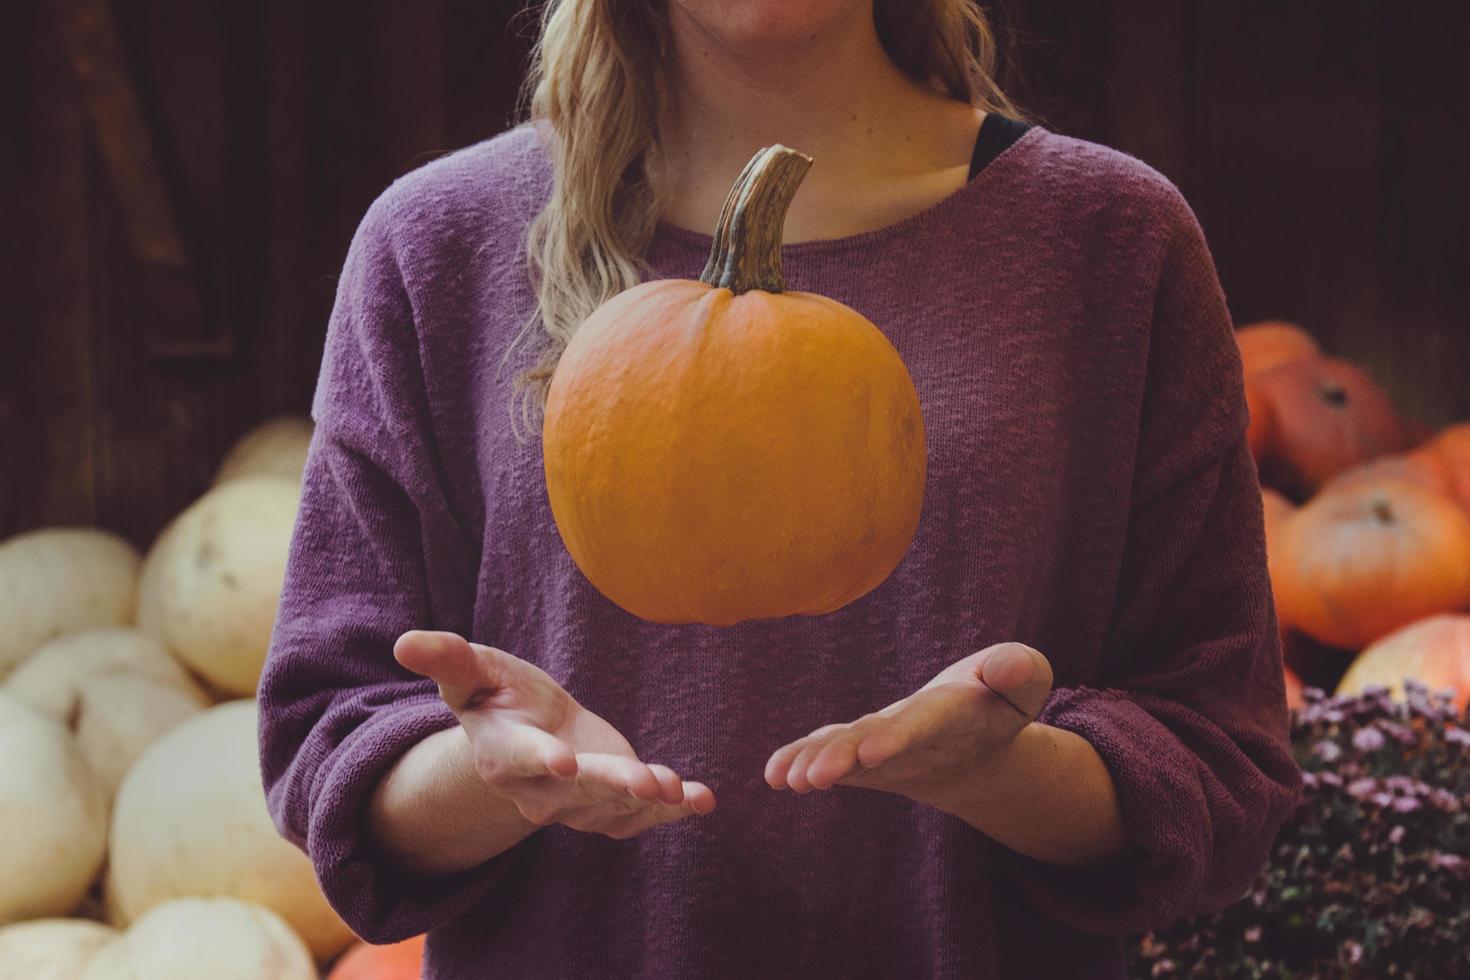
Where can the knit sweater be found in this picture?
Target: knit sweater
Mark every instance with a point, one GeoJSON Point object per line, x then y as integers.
{"type": "Point", "coordinates": [1089, 493]}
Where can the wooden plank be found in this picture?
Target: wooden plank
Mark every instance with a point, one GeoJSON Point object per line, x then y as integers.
{"type": "Point", "coordinates": [1150, 47]}
{"type": "Point", "coordinates": [1283, 142]}
{"type": "Point", "coordinates": [485, 48]}
{"type": "Point", "coordinates": [1422, 348]}
{"type": "Point", "coordinates": [48, 372]}
{"type": "Point", "coordinates": [180, 327]}
{"type": "Point", "coordinates": [1062, 60]}
{"type": "Point", "coordinates": [295, 319]}
{"type": "Point", "coordinates": [202, 68]}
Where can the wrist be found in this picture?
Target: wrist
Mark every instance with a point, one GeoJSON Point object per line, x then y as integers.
{"type": "Point", "coordinates": [1046, 794]}
{"type": "Point", "coordinates": [432, 813]}
{"type": "Point", "coordinates": [988, 783]}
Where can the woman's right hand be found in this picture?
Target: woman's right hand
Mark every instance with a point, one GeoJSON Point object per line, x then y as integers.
{"type": "Point", "coordinates": [534, 744]}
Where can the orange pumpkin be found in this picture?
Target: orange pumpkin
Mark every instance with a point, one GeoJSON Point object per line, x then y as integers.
{"type": "Point", "coordinates": [1294, 698]}
{"type": "Point", "coordinates": [724, 450]}
{"type": "Point", "coordinates": [1452, 448]}
{"type": "Point", "coordinates": [1329, 415]}
{"type": "Point", "coordinates": [1434, 651]}
{"type": "Point", "coordinates": [1262, 428]}
{"type": "Point", "coordinates": [1355, 564]}
{"type": "Point", "coordinates": [398, 961]}
{"type": "Point", "coordinates": [1276, 509]}
{"type": "Point", "coordinates": [1419, 466]}
{"type": "Point", "coordinates": [1268, 343]}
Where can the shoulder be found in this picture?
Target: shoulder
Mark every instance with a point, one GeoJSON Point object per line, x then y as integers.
{"type": "Point", "coordinates": [1094, 189]}
{"type": "Point", "coordinates": [446, 210]}
{"type": "Point", "coordinates": [1144, 243]}
{"type": "Point", "coordinates": [1095, 177]}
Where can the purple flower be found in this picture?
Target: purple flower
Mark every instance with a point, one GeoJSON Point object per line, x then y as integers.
{"type": "Point", "coordinates": [1406, 785]}
{"type": "Point", "coordinates": [1359, 789]}
{"type": "Point", "coordinates": [1402, 733]}
{"type": "Point", "coordinates": [1368, 740]}
{"type": "Point", "coordinates": [1378, 839]}
{"type": "Point", "coordinates": [1446, 862]}
{"type": "Point", "coordinates": [1443, 799]}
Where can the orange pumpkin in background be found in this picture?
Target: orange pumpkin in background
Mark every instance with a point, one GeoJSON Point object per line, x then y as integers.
{"type": "Point", "coordinates": [1294, 687]}
{"type": "Point", "coordinates": [1261, 429]}
{"type": "Point", "coordinates": [397, 961]}
{"type": "Point", "coordinates": [723, 450]}
{"type": "Point", "coordinates": [1418, 466]}
{"type": "Point", "coordinates": [1268, 343]}
{"type": "Point", "coordinates": [1329, 415]}
{"type": "Point", "coordinates": [1452, 448]}
{"type": "Point", "coordinates": [1353, 565]}
{"type": "Point", "coordinates": [1434, 651]}
{"type": "Point", "coordinates": [1275, 509]}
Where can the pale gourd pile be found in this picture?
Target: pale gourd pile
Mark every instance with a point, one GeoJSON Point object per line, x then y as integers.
{"type": "Point", "coordinates": [136, 840]}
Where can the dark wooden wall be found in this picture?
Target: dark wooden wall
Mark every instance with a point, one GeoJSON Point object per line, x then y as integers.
{"type": "Point", "coordinates": [1322, 143]}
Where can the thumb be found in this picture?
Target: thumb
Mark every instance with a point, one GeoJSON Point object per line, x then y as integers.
{"type": "Point", "coordinates": [450, 661]}
{"type": "Point", "coordinates": [1018, 673]}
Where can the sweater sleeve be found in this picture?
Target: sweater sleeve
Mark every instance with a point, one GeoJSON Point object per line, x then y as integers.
{"type": "Point", "coordinates": [376, 551]}
{"type": "Point", "coordinates": [1189, 713]}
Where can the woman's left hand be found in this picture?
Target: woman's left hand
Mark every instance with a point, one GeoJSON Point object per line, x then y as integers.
{"type": "Point", "coordinates": [927, 742]}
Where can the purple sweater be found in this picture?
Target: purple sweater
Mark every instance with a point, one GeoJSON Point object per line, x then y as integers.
{"type": "Point", "coordinates": [1089, 492]}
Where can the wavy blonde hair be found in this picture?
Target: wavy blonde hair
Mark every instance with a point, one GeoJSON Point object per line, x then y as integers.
{"type": "Point", "coordinates": [593, 87]}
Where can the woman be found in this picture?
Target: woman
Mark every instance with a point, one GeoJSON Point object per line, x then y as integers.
{"type": "Point", "coordinates": [1060, 720]}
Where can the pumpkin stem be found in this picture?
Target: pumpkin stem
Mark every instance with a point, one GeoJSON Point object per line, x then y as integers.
{"type": "Point", "coordinates": [747, 249]}
{"type": "Point", "coordinates": [1382, 510]}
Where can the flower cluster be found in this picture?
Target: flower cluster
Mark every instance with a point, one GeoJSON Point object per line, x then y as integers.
{"type": "Point", "coordinates": [1371, 876]}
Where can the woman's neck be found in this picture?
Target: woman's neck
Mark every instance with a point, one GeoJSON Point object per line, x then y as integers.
{"type": "Point", "coordinates": [885, 145]}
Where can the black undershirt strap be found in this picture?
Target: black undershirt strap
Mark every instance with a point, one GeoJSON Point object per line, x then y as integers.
{"type": "Point", "coordinates": [997, 133]}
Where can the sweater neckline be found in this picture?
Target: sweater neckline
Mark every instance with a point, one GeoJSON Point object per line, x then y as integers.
{"type": "Point", "coordinates": [686, 239]}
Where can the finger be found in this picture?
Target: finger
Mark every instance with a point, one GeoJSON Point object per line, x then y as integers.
{"type": "Point", "coordinates": [698, 797]}
{"type": "Point", "coordinates": [779, 764]}
{"type": "Point", "coordinates": [523, 751]}
{"type": "Point", "coordinates": [796, 776]}
{"type": "Point", "coordinates": [778, 767]}
{"type": "Point", "coordinates": [620, 772]}
{"type": "Point", "coordinates": [698, 802]}
{"type": "Point", "coordinates": [508, 669]}
{"type": "Point", "coordinates": [628, 826]}
{"type": "Point", "coordinates": [1019, 674]}
{"type": "Point", "coordinates": [672, 788]}
{"type": "Point", "coordinates": [882, 742]}
{"type": "Point", "coordinates": [444, 657]}
{"type": "Point", "coordinates": [836, 760]}
{"type": "Point", "coordinates": [467, 673]}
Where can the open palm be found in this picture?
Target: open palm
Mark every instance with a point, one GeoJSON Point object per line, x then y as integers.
{"type": "Point", "coordinates": [533, 742]}
{"type": "Point", "coordinates": [927, 739]}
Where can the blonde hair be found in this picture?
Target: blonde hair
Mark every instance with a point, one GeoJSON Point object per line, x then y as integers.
{"type": "Point", "coordinates": [593, 88]}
